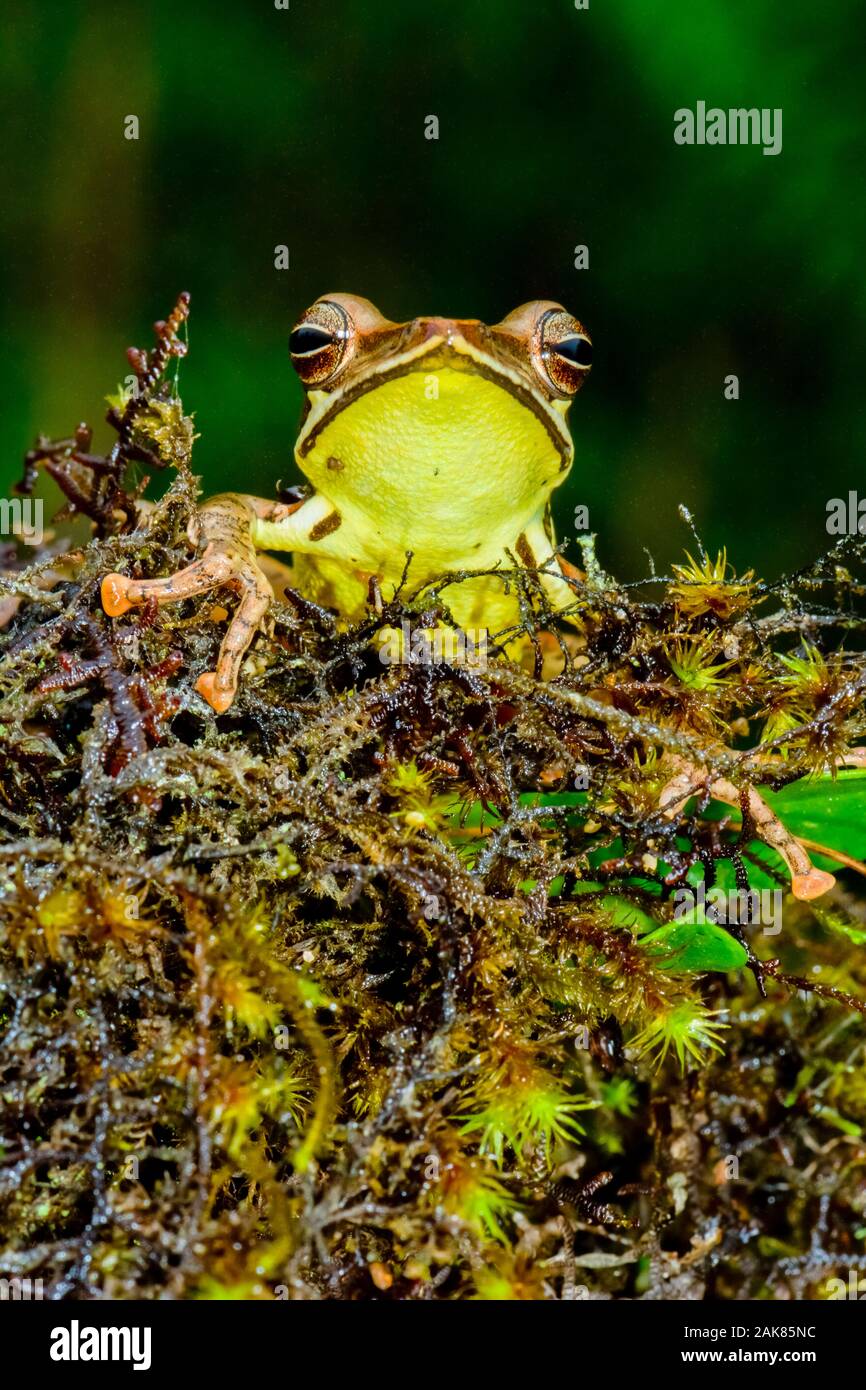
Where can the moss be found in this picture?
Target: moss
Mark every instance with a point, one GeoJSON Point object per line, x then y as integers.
{"type": "Point", "coordinates": [345, 993]}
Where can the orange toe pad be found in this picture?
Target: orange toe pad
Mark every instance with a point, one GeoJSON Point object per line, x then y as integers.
{"type": "Point", "coordinates": [220, 700]}
{"type": "Point", "coordinates": [113, 591]}
{"type": "Point", "coordinates": [811, 885]}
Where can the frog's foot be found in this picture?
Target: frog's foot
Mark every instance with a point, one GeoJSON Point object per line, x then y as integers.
{"type": "Point", "coordinates": [807, 881]}
{"type": "Point", "coordinates": [228, 561]}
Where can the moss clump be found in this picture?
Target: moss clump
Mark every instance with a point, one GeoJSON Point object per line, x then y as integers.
{"type": "Point", "coordinates": [374, 987]}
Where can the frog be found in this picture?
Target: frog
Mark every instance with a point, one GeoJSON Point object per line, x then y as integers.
{"type": "Point", "coordinates": [431, 448]}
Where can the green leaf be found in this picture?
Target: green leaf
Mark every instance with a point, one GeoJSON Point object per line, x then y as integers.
{"type": "Point", "coordinates": [687, 946]}
{"type": "Point", "coordinates": [838, 921]}
{"type": "Point", "coordinates": [829, 810]}
{"type": "Point", "coordinates": [803, 1079]}
{"type": "Point", "coordinates": [625, 913]}
{"type": "Point", "coordinates": [832, 1117]}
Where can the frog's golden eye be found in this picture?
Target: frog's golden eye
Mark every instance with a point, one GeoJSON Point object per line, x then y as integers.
{"type": "Point", "coordinates": [321, 343]}
{"type": "Point", "coordinates": [563, 352]}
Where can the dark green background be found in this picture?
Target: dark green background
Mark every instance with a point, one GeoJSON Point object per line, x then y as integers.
{"type": "Point", "coordinates": [306, 127]}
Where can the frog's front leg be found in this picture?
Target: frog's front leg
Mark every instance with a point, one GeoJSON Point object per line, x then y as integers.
{"type": "Point", "coordinates": [535, 551]}
{"type": "Point", "coordinates": [230, 527]}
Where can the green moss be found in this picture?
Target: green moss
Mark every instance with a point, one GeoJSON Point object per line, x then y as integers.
{"type": "Point", "coordinates": [349, 994]}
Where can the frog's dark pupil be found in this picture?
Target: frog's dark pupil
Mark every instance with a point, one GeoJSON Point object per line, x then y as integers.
{"type": "Point", "coordinates": [576, 350]}
{"type": "Point", "coordinates": [308, 339]}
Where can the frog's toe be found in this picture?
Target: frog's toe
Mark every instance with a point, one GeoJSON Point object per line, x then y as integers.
{"type": "Point", "coordinates": [113, 594]}
{"type": "Point", "coordinates": [218, 697]}
{"type": "Point", "coordinates": [812, 884]}
{"type": "Point", "coordinates": [120, 593]}
{"type": "Point", "coordinates": [219, 687]}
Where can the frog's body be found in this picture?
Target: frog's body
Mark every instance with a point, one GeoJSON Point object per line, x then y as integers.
{"type": "Point", "coordinates": [439, 439]}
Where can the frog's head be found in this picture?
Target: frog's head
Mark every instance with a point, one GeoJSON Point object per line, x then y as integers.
{"type": "Point", "coordinates": [438, 404]}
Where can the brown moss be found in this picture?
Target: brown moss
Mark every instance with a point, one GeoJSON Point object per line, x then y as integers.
{"type": "Point", "coordinates": [308, 999]}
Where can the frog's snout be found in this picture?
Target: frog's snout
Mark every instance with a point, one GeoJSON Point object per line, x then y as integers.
{"type": "Point", "coordinates": [437, 328]}
{"type": "Point", "coordinates": [443, 330]}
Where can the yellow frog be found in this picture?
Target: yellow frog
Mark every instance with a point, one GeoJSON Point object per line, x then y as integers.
{"type": "Point", "coordinates": [439, 439]}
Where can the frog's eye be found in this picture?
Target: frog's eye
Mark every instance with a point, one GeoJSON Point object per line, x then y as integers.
{"type": "Point", "coordinates": [563, 352]}
{"type": "Point", "coordinates": [321, 343]}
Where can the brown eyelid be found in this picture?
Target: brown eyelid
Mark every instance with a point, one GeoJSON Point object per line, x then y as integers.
{"type": "Point", "coordinates": [530, 333]}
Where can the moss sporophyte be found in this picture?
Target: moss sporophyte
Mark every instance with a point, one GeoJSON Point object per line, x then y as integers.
{"type": "Point", "coordinates": [329, 977]}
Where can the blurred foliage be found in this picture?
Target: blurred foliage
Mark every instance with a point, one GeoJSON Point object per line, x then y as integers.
{"type": "Point", "coordinates": [304, 127]}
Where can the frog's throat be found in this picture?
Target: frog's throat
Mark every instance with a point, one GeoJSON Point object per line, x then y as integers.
{"type": "Point", "coordinates": [459, 355]}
